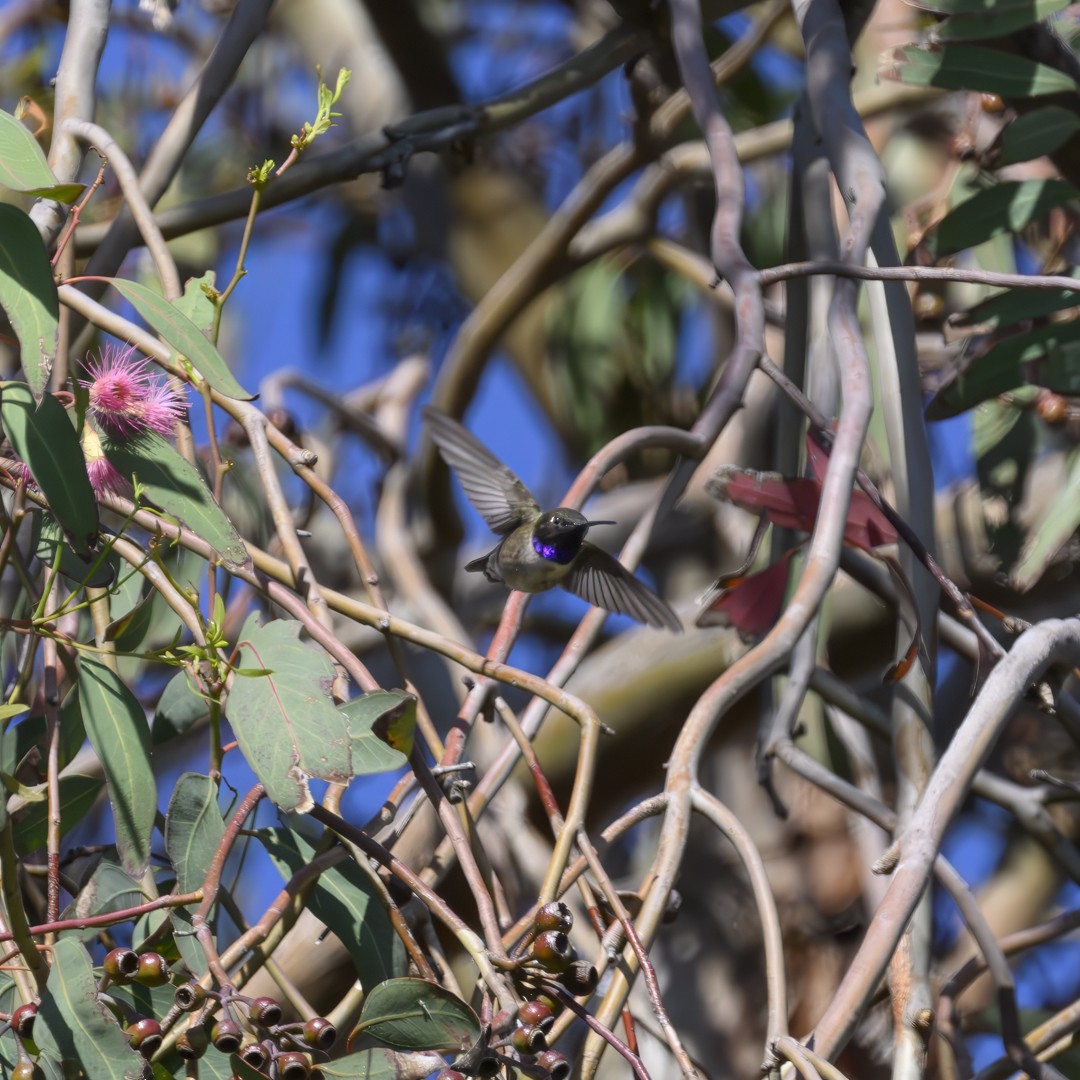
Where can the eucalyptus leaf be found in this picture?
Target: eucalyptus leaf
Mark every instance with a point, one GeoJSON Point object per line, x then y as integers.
{"type": "Point", "coordinates": [130, 630]}
{"type": "Point", "coordinates": [1053, 349]}
{"type": "Point", "coordinates": [48, 541]}
{"type": "Point", "coordinates": [1036, 133]}
{"type": "Point", "coordinates": [193, 829]}
{"type": "Point", "coordinates": [28, 294]}
{"type": "Point", "coordinates": [108, 888]}
{"type": "Point", "coordinates": [346, 901]}
{"type": "Point", "coordinates": [285, 721]}
{"type": "Point", "coordinates": [412, 1014]}
{"type": "Point", "coordinates": [32, 732]}
{"type": "Point", "coordinates": [44, 437]}
{"type": "Point", "coordinates": [118, 732]}
{"type": "Point", "coordinates": [378, 1063]}
{"type": "Point", "coordinates": [983, 19]}
{"type": "Point", "coordinates": [1017, 305]}
{"type": "Point", "coordinates": [191, 952]}
{"type": "Point", "coordinates": [183, 335]}
{"type": "Point", "coordinates": [195, 304]}
{"type": "Point", "coordinates": [975, 67]}
{"type": "Point", "coordinates": [381, 724]}
{"type": "Point", "coordinates": [77, 796]}
{"type": "Point", "coordinates": [179, 709]}
{"type": "Point", "coordinates": [1007, 207]}
{"type": "Point", "coordinates": [1047, 537]}
{"type": "Point", "coordinates": [73, 1029]}
{"type": "Point", "coordinates": [174, 485]}
{"type": "Point", "coordinates": [974, 7]}
{"type": "Point", "coordinates": [23, 166]}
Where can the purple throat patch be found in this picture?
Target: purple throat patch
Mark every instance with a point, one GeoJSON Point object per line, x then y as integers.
{"type": "Point", "coordinates": [551, 552]}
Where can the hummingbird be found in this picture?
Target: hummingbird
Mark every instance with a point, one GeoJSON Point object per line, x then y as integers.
{"type": "Point", "coordinates": [539, 549]}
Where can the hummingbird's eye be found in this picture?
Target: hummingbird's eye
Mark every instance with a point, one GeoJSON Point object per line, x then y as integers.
{"type": "Point", "coordinates": [556, 520]}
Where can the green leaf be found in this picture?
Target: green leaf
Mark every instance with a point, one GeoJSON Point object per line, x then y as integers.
{"type": "Point", "coordinates": [8, 711]}
{"type": "Point", "coordinates": [28, 294]}
{"type": "Point", "coordinates": [118, 731]}
{"type": "Point", "coordinates": [1055, 366]}
{"type": "Point", "coordinates": [72, 1027]}
{"type": "Point", "coordinates": [411, 1014]}
{"type": "Point", "coordinates": [992, 425]}
{"type": "Point", "coordinates": [46, 440]}
{"type": "Point", "coordinates": [178, 710]}
{"type": "Point", "coordinates": [285, 722]}
{"type": "Point", "coordinates": [31, 732]}
{"type": "Point", "coordinates": [378, 1063]}
{"type": "Point", "coordinates": [193, 829]}
{"type": "Point", "coordinates": [371, 719]}
{"type": "Point", "coordinates": [175, 486]}
{"type": "Point", "coordinates": [1006, 207]}
{"type": "Point", "coordinates": [183, 335]}
{"type": "Point", "coordinates": [130, 630]}
{"type": "Point", "coordinates": [1005, 367]}
{"type": "Point", "coordinates": [47, 537]}
{"type": "Point", "coordinates": [1048, 536]}
{"type": "Point", "coordinates": [1036, 133]}
{"type": "Point", "coordinates": [976, 20]}
{"type": "Point", "coordinates": [346, 901]}
{"type": "Point", "coordinates": [1015, 306]}
{"type": "Point", "coordinates": [974, 67]}
{"type": "Point", "coordinates": [77, 796]}
{"type": "Point", "coordinates": [109, 888]}
{"type": "Point", "coordinates": [191, 952]}
{"type": "Point", "coordinates": [974, 7]}
{"type": "Point", "coordinates": [195, 304]}
{"type": "Point", "coordinates": [23, 166]}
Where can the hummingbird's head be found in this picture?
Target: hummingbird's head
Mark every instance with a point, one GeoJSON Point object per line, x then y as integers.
{"type": "Point", "coordinates": [558, 534]}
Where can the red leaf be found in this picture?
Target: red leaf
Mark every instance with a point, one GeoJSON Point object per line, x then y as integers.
{"type": "Point", "coordinates": [752, 605]}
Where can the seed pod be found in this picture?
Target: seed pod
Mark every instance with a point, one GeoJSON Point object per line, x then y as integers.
{"type": "Point", "coordinates": [320, 1033]}
{"type": "Point", "coordinates": [1051, 408]}
{"type": "Point", "coordinates": [121, 965]}
{"type": "Point", "coordinates": [253, 1053]}
{"type": "Point", "coordinates": [22, 1020]}
{"type": "Point", "coordinates": [153, 971]}
{"type": "Point", "coordinates": [557, 1064]}
{"type": "Point", "coordinates": [226, 1035]}
{"type": "Point", "coordinates": [27, 1070]}
{"type": "Point", "coordinates": [144, 1035]}
{"type": "Point", "coordinates": [554, 916]}
{"type": "Point", "coordinates": [538, 1014]}
{"type": "Point", "coordinates": [553, 951]}
{"type": "Point", "coordinates": [193, 1042]}
{"type": "Point", "coordinates": [189, 996]}
{"type": "Point", "coordinates": [292, 1066]}
{"type": "Point", "coordinates": [528, 1039]}
{"type": "Point", "coordinates": [580, 978]}
{"type": "Point", "coordinates": [265, 1011]}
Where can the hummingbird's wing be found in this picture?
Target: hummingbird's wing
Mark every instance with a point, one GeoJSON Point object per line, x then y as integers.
{"type": "Point", "coordinates": [502, 500]}
{"type": "Point", "coordinates": [601, 579]}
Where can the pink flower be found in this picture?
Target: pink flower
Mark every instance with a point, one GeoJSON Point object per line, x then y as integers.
{"type": "Point", "coordinates": [21, 471]}
{"type": "Point", "coordinates": [104, 477]}
{"type": "Point", "coordinates": [162, 408]}
{"type": "Point", "coordinates": [125, 399]}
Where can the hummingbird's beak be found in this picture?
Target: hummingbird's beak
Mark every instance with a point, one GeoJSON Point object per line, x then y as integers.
{"type": "Point", "coordinates": [592, 523]}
